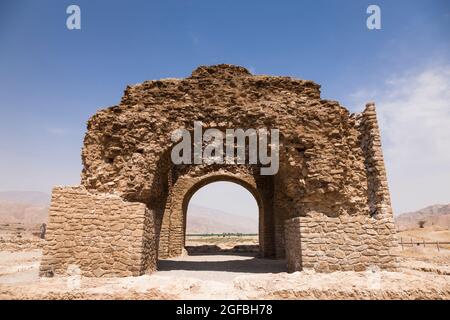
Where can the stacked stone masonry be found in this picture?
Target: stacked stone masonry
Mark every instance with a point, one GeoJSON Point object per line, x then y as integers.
{"type": "Point", "coordinates": [327, 208]}
{"type": "Point", "coordinates": [100, 234]}
{"type": "Point", "coordinates": [343, 243]}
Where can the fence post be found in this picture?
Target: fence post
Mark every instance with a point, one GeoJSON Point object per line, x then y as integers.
{"type": "Point", "coordinates": [437, 245]}
{"type": "Point", "coordinates": [401, 241]}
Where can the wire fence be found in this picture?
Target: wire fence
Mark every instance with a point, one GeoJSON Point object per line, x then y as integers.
{"type": "Point", "coordinates": [416, 242]}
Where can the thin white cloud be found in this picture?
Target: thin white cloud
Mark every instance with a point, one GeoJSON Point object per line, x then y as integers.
{"type": "Point", "coordinates": [56, 131]}
{"type": "Point", "coordinates": [194, 38]}
{"type": "Point", "coordinates": [414, 115]}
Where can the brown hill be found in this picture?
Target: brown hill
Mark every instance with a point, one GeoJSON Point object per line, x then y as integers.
{"type": "Point", "coordinates": [436, 216]}
{"type": "Point", "coordinates": [27, 207]}
{"type": "Point", "coordinates": [207, 220]}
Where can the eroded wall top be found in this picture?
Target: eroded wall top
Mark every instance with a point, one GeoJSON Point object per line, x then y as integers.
{"type": "Point", "coordinates": [322, 164]}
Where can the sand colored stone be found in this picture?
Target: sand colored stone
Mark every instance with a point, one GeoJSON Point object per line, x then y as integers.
{"type": "Point", "coordinates": [328, 207]}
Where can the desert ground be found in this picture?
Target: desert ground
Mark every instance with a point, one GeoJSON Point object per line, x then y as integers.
{"type": "Point", "coordinates": [227, 267]}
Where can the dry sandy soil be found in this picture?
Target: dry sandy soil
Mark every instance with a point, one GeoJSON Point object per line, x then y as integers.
{"type": "Point", "coordinates": [216, 269]}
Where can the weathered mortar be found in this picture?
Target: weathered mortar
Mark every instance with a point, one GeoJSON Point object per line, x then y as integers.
{"type": "Point", "coordinates": [331, 166]}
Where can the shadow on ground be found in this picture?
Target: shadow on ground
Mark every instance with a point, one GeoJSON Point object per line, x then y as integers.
{"type": "Point", "coordinates": [227, 262]}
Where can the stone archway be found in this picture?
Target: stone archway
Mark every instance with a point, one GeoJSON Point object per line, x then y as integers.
{"type": "Point", "coordinates": [327, 208]}
{"type": "Point", "coordinates": [232, 192]}
{"type": "Point", "coordinates": [173, 229]}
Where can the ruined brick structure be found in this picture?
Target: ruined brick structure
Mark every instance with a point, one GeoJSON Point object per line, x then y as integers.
{"type": "Point", "coordinates": [327, 208]}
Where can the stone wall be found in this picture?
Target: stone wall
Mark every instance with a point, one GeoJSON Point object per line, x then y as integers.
{"type": "Point", "coordinates": [349, 242]}
{"type": "Point", "coordinates": [342, 243]}
{"type": "Point", "coordinates": [100, 234]}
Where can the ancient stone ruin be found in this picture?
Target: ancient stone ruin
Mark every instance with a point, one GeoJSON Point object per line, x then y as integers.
{"type": "Point", "coordinates": [328, 207]}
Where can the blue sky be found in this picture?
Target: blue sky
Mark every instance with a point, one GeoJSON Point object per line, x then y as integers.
{"type": "Point", "coordinates": [52, 79]}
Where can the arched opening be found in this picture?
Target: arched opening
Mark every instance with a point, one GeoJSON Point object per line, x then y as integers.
{"type": "Point", "coordinates": [173, 221]}
{"type": "Point", "coordinates": [224, 228]}
{"type": "Point", "coordinates": [222, 216]}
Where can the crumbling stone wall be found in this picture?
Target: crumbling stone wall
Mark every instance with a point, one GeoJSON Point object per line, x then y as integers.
{"type": "Point", "coordinates": [331, 165]}
{"type": "Point", "coordinates": [349, 242]}
{"type": "Point", "coordinates": [100, 234]}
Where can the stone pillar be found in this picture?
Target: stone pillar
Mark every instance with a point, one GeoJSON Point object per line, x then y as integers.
{"type": "Point", "coordinates": [378, 191]}
{"type": "Point", "coordinates": [293, 244]}
{"type": "Point", "coordinates": [379, 200]}
{"type": "Point", "coordinates": [102, 235]}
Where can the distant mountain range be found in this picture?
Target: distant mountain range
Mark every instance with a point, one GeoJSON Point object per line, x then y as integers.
{"type": "Point", "coordinates": [436, 216]}
{"type": "Point", "coordinates": [31, 207]}
{"type": "Point", "coordinates": [28, 207]}
{"type": "Point", "coordinates": [207, 220]}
